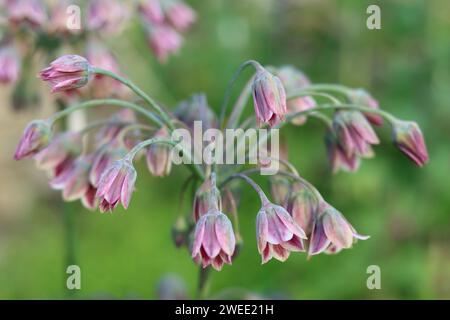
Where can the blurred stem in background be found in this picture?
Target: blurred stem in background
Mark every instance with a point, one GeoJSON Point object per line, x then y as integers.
{"type": "Point", "coordinates": [68, 215]}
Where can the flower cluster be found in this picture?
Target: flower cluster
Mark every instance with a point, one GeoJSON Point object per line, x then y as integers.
{"type": "Point", "coordinates": [33, 27]}
{"type": "Point", "coordinates": [164, 21]}
{"type": "Point", "coordinates": [101, 173]}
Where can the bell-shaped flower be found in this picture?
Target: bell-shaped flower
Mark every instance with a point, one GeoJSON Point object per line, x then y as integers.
{"type": "Point", "coordinates": [159, 156]}
{"type": "Point", "coordinates": [36, 137]}
{"type": "Point", "coordinates": [337, 156]}
{"type": "Point", "coordinates": [363, 98]}
{"type": "Point", "coordinates": [409, 139]}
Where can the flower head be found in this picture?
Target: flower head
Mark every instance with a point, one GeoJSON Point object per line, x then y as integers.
{"type": "Point", "coordinates": [66, 73]}
{"type": "Point", "coordinates": [36, 136]}
{"type": "Point", "coordinates": [302, 205]}
{"type": "Point", "coordinates": [409, 139]}
{"type": "Point", "coordinates": [180, 15]}
{"type": "Point", "coordinates": [9, 65]}
{"type": "Point", "coordinates": [337, 156]}
{"type": "Point", "coordinates": [214, 241]}
{"type": "Point", "coordinates": [164, 41]}
{"type": "Point", "coordinates": [362, 97]}
{"type": "Point", "coordinates": [116, 184]}
{"type": "Point", "coordinates": [159, 157]}
{"type": "Point", "coordinates": [331, 228]}
{"type": "Point", "coordinates": [354, 133]}
{"type": "Point", "coordinates": [277, 233]}
{"type": "Point", "coordinates": [269, 98]}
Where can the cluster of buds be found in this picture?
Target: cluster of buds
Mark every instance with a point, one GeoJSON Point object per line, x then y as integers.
{"type": "Point", "coordinates": [164, 21]}
{"type": "Point", "coordinates": [101, 174]}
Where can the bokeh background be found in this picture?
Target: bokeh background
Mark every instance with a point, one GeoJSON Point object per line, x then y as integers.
{"type": "Point", "coordinates": [406, 210]}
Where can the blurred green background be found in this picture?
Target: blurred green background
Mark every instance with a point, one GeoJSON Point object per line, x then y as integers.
{"type": "Point", "coordinates": [406, 210]}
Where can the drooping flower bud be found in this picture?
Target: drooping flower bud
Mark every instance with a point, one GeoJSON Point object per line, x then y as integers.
{"type": "Point", "coordinates": [363, 98]}
{"type": "Point", "coordinates": [269, 98]}
{"type": "Point", "coordinates": [294, 80]}
{"type": "Point", "coordinates": [331, 228]}
{"type": "Point", "coordinates": [214, 241]}
{"type": "Point", "coordinates": [180, 15]}
{"type": "Point", "coordinates": [62, 146]}
{"type": "Point", "coordinates": [409, 139]}
{"type": "Point", "coordinates": [277, 233]}
{"type": "Point", "coordinates": [159, 156]}
{"type": "Point", "coordinates": [302, 206]}
{"type": "Point", "coordinates": [103, 158]}
{"type": "Point", "coordinates": [206, 195]}
{"type": "Point", "coordinates": [66, 73]}
{"type": "Point", "coordinates": [337, 156]}
{"type": "Point", "coordinates": [164, 41]}
{"type": "Point", "coordinates": [116, 184]}
{"type": "Point", "coordinates": [354, 133]}
{"type": "Point", "coordinates": [36, 137]}
{"type": "Point", "coordinates": [151, 11]}
{"type": "Point", "coordinates": [9, 65]}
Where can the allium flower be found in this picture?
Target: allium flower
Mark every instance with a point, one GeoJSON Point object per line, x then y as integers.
{"type": "Point", "coordinates": [362, 97]}
{"type": "Point", "coordinates": [207, 193]}
{"type": "Point", "coordinates": [36, 136]}
{"type": "Point", "coordinates": [337, 156]}
{"type": "Point", "coordinates": [151, 11]}
{"type": "Point", "coordinates": [116, 184]}
{"type": "Point", "coordinates": [269, 98]}
{"type": "Point", "coordinates": [66, 73]}
{"type": "Point", "coordinates": [408, 138]}
{"type": "Point", "coordinates": [354, 133]}
{"type": "Point", "coordinates": [26, 11]}
{"type": "Point", "coordinates": [180, 15]}
{"type": "Point", "coordinates": [294, 80]}
{"type": "Point", "coordinates": [159, 157]}
{"type": "Point", "coordinates": [164, 41]}
{"type": "Point", "coordinates": [103, 158]}
{"type": "Point", "coordinates": [9, 65]}
{"type": "Point", "coordinates": [214, 240]}
{"type": "Point", "coordinates": [302, 206]}
{"type": "Point", "coordinates": [63, 146]}
{"type": "Point", "coordinates": [277, 233]}
{"type": "Point", "coordinates": [331, 228]}
{"type": "Point", "coordinates": [106, 15]}
{"type": "Point", "coordinates": [74, 181]}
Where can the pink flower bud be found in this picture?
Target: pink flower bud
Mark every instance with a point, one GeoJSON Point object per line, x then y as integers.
{"type": "Point", "coordinates": [180, 15]}
{"type": "Point", "coordinates": [62, 146]}
{"type": "Point", "coordinates": [9, 65]}
{"type": "Point", "coordinates": [36, 136]}
{"type": "Point", "coordinates": [302, 206]}
{"type": "Point", "coordinates": [409, 139]}
{"type": "Point", "coordinates": [277, 233]}
{"type": "Point", "coordinates": [214, 241]}
{"type": "Point", "coordinates": [337, 156]}
{"type": "Point", "coordinates": [74, 181]}
{"type": "Point", "coordinates": [354, 133]}
{"type": "Point", "coordinates": [116, 184]}
{"type": "Point", "coordinates": [205, 196]}
{"type": "Point", "coordinates": [159, 157]}
{"type": "Point", "coordinates": [31, 12]}
{"type": "Point", "coordinates": [331, 228]}
{"type": "Point", "coordinates": [164, 41]}
{"type": "Point", "coordinates": [66, 73]}
{"type": "Point", "coordinates": [151, 11]}
{"type": "Point", "coordinates": [103, 158]}
{"type": "Point", "coordinates": [363, 98]}
{"type": "Point", "coordinates": [269, 98]}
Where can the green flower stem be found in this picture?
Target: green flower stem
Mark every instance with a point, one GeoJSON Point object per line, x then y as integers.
{"type": "Point", "coordinates": [255, 186]}
{"type": "Point", "coordinates": [100, 102]}
{"type": "Point", "coordinates": [130, 156]}
{"type": "Point", "coordinates": [329, 87]}
{"type": "Point", "coordinates": [240, 104]}
{"type": "Point", "coordinates": [204, 281]}
{"type": "Point", "coordinates": [236, 75]}
{"type": "Point", "coordinates": [164, 115]}
{"type": "Point", "coordinates": [133, 126]}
